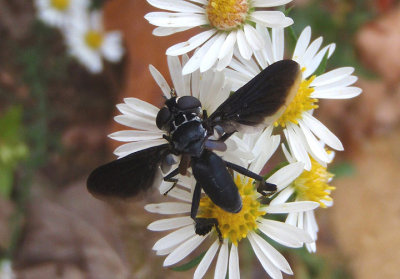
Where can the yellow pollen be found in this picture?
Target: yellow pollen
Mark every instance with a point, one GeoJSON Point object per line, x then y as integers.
{"type": "Point", "coordinates": [313, 185]}
{"type": "Point", "coordinates": [235, 226]}
{"type": "Point", "coordinates": [227, 14]}
{"type": "Point", "coordinates": [94, 39]}
{"type": "Point", "coordinates": [301, 103]}
{"type": "Point", "coordinates": [60, 5]}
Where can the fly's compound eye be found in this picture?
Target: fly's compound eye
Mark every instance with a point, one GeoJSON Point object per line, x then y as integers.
{"type": "Point", "coordinates": [163, 118]}
{"type": "Point", "coordinates": [188, 103]}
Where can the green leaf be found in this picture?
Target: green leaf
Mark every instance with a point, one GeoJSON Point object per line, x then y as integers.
{"type": "Point", "coordinates": [322, 66]}
{"type": "Point", "coordinates": [190, 264]}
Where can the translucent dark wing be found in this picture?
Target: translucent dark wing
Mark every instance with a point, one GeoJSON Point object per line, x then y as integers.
{"type": "Point", "coordinates": [262, 99]}
{"type": "Point", "coordinates": [127, 176]}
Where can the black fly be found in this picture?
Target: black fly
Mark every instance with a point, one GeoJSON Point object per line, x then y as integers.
{"type": "Point", "coordinates": [188, 132]}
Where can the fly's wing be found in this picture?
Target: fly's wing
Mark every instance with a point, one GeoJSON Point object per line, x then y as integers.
{"type": "Point", "coordinates": [262, 100]}
{"type": "Point", "coordinates": [127, 176]}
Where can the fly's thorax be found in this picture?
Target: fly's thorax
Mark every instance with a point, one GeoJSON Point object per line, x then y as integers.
{"type": "Point", "coordinates": [189, 137]}
{"type": "Point", "coordinates": [182, 119]}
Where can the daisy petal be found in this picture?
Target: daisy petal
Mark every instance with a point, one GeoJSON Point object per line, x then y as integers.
{"type": "Point", "coordinates": [174, 238]}
{"type": "Point", "coordinates": [302, 43]}
{"type": "Point", "coordinates": [170, 223]}
{"type": "Point", "coordinates": [268, 266]}
{"type": "Point", "coordinates": [222, 261]}
{"type": "Point", "coordinates": [292, 207]}
{"type": "Point", "coordinates": [337, 93]}
{"type": "Point", "coordinates": [133, 147]}
{"type": "Point", "coordinates": [166, 31]}
{"type": "Point", "coordinates": [322, 132]}
{"type": "Point", "coordinates": [206, 261]}
{"type": "Point", "coordinates": [273, 255]}
{"type": "Point", "coordinates": [176, 6]}
{"type": "Point", "coordinates": [168, 208]}
{"type": "Point", "coordinates": [160, 80]}
{"type": "Point", "coordinates": [135, 135]}
{"type": "Point", "coordinates": [164, 19]}
{"type": "Point", "coordinates": [234, 268]}
{"type": "Point", "coordinates": [184, 249]}
{"type": "Point", "coordinates": [244, 48]}
{"type": "Point", "coordinates": [191, 44]}
{"type": "Point", "coordinates": [332, 76]}
{"type": "Point", "coordinates": [284, 176]}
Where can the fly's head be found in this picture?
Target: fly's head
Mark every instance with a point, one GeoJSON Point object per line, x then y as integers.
{"type": "Point", "coordinates": [178, 111]}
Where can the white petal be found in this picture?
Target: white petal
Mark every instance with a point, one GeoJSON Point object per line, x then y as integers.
{"type": "Point", "coordinates": [283, 195]}
{"type": "Point", "coordinates": [222, 261]}
{"type": "Point", "coordinates": [284, 176]}
{"type": "Point", "coordinates": [180, 194]}
{"type": "Point", "coordinates": [228, 45]}
{"type": "Point", "coordinates": [170, 223]}
{"type": "Point", "coordinates": [253, 38]}
{"type": "Point", "coordinates": [332, 76]}
{"type": "Point", "coordinates": [135, 135]}
{"type": "Point", "coordinates": [210, 57]}
{"type": "Point", "coordinates": [244, 48]}
{"type": "Point", "coordinates": [132, 147]}
{"type": "Point", "coordinates": [165, 19]}
{"type": "Point", "coordinates": [234, 268]}
{"type": "Point", "coordinates": [292, 207]}
{"type": "Point", "coordinates": [269, 267]}
{"type": "Point", "coordinates": [224, 62]}
{"type": "Point", "coordinates": [322, 132]}
{"type": "Point", "coordinates": [268, 4]}
{"type": "Point", "coordinates": [174, 238]}
{"type": "Point", "coordinates": [297, 146]}
{"type": "Point", "coordinates": [160, 80]}
{"type": "Point", "coordinates": [175, 71]}
{"type": "Point", "coordinates": [271, 18]}
{"type": "Point", "coordinates": [168, 208]}
{"type": "Point", "coordinates": [267, 49]}
{"type": "Point", "coordinates": [112, 46]}
{"type": "Point", "coordinates": [191, 44]}
{"type": "Point", "coordinates": [284, 234]}
{"type": "Point", "coordinates": [176, 6]}
{"type": "Point", "coordinates": [310, 52]}
{"type": "Point", "coordinates": [339, 84]}
{"type": "Point", "coordinates": [278, 43]}
{"type": "Point", "coordinates": [273, 255]}
{"type": "Point", "coordinates": [314, 63]}
{"type": "Point", "coordinates": [184, 249]}
{"type": "Point", "coordinates": [206, 261]}
{"type": "Point", "coordinates": [302, 43]}
{"type": "Point", "coordinates": [317, 148]}
{"type": "Point", "coordinates": [142, 107]}
{"type": "Point", "coordinates": [166, 31]}
{"type": "Point", "coordinates": [194, 62]}
{"type": "Point", "coordinates": [337, 93]}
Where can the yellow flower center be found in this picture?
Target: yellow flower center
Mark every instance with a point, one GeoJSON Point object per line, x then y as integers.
{"type": "Point", "coordinates": [301, 103]}
{"type": "Point", "coordinates": [227, 14]}
{"type": "Point", "coordinates": [235, 226]}
{"type": "Point", "coordinates": [60, 5]}
{"type": "Point", "coordinates": [94, 39]}
{"type": "Point", "coordinates": [313, 185]}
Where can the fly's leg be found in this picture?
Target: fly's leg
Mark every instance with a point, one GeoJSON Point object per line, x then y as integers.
{"type": "Point", "coordinates": [264, 188]}
{"type": "Point", "coordinates": [202, 225]}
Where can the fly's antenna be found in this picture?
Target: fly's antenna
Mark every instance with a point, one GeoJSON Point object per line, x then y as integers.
{"type": "Point", "coordinates": [173, 93]}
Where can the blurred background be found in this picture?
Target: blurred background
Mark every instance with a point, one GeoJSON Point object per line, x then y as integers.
{"type": "Point", "coordinates": [55, 117]}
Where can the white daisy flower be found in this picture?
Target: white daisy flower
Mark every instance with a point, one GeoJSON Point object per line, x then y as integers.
{"type": "Point", "coordinates": [60, 13]}
{"type": "Point", "coordinates": [312, 185]}
{"type": "Point", "coordinates": [300, 127]}
{"type": "Point", "coordinates": [227, 22]}
{"type": "Point", "coordinates": [249, 223]}
{"type": "Point", "coordinates": [88, 42]}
